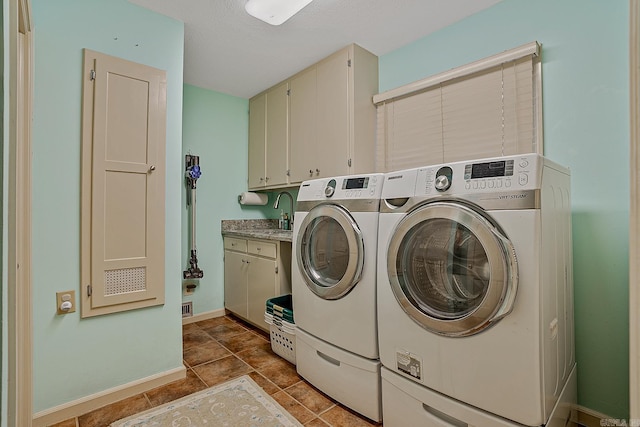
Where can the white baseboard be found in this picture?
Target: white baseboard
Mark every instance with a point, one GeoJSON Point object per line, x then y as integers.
{"type": "Point", "coordinates": [98, 400]}
{"type": "Point", "coordinates": [590, 418]}
{"type": "Point", "coordinates": [204, 316]}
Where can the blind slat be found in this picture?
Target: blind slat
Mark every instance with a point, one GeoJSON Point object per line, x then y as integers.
{"type": "Point", "coordinates": [488, 113]}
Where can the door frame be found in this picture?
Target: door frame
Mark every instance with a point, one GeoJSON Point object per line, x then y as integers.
{"type": "Point", "coordinates": [18, 230]}
{"type": "Point", "coordinates": [634, 217]}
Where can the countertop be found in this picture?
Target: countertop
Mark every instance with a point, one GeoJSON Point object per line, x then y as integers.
{"type": "Point", "coordinates": [264, 229]}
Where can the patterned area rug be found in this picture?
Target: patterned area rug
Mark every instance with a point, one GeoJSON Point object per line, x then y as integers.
{"type": "Point", "coordinates": [239, 402]}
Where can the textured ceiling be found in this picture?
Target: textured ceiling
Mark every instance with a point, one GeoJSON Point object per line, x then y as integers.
{"type": "Point", "coordinates": [229, 51]}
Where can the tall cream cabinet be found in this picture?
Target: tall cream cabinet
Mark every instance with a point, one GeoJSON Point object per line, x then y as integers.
{"type": "Point", "coordinates": [332, 116]}
{"type": "Point", "coordinates": [254, 271]}
{"type": "Point", "coordinates": [331, 119]}
{"type": "Point", "coordinates": [268, 138]}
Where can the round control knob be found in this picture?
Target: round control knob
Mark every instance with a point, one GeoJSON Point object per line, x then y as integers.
{"type": "Point", "coordinates": [442, 183]}
{"type": "Point", "coordinates": [328, 191]}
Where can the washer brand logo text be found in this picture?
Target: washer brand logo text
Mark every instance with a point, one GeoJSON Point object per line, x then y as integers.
{"type": "Point", "coordinates": [512, 196]}
{"type": "Point", "coordinates": [394, 177]}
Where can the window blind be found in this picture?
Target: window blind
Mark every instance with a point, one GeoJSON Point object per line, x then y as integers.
{"type": "Point", "coordinates": [485, 109]}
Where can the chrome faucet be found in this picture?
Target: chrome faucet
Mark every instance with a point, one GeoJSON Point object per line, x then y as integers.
{"type": "Point", "coordinates": [277, 203]}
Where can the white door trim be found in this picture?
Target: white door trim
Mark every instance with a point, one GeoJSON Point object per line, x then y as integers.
{"type": "Point", "coordinates": [18, 304]}
{"type": "Point", "coordinates": [634, 220]}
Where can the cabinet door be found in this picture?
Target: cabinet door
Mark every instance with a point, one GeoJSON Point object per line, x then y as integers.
{"type": "Point", "coordinates": [235, 282]}
{"type": "Point", "coordinates": [262, 279]}
{"type": "Point", "coordinates": [257, 135]}
{"type": "Point", "coordinates": [277, 135]}
{"type": "Point", "coordinates": [333, 115]}
{"type": "Point", "coordinates": [123, 193]}
{"type": "Point", "coordinates": [303, 140]}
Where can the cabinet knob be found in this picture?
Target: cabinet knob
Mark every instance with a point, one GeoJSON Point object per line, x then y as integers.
{"type": "Point", "coordinates": [311, 172]}
{"type": "Point", "coordinates": [261, 179]}
{"type": "Point", "coordinates": [152, 168]}
{"type": "Point", "coordinates": [317, 171]}
{"type": "Point", "coordinates": [266, 179]}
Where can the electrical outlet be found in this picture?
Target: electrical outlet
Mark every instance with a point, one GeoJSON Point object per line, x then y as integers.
{"type": "Point", "coordinates": [188, 288]}
{"type": "Point", "coordinates": [66, 302]}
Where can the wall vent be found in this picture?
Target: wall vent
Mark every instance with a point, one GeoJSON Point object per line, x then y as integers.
{"type": "Point", "coordinates": [187, 309]}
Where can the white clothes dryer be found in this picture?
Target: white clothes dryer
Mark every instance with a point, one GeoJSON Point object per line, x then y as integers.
{"type": "Point", "coordinates": [333, 276]}
{"type": "Point", "coordinates": [475, 288]}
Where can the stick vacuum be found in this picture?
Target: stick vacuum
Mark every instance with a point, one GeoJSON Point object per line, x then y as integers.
{"type": "Point", "coordinates": [192, 173]}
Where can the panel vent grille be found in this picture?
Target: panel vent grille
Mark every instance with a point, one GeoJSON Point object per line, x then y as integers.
{"type": "Point", "coordinates": [187, 309]}
{"type": "Point", "coordinates": [125, 280]}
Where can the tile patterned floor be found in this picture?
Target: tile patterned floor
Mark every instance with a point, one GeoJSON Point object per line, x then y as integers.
{"type": "Point", "coordinates": [220, 349]}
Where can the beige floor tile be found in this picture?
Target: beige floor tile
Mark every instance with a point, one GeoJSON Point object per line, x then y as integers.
{"type": "Point", "coordinates": [259, 357]}
{"type": "Point", "coordinates": [176, 389]}
{"type": "Point", "coordinates": [310, 397]}
{"type": "Point", "coordinates": [203, 353]}
{"type": "Point", "coordinates": [217, 350]}
{"type": "Point", "coordinates": [222, 370]}
{"type": "Point", "coordinates": [281, 373]}
{"type": "Point", "coordinates": [265, 384]}
{"type": "Point", "coordinates": [68, 423]}
{"type": "Point", "coordinates": [340, 416]}
{"type": "Point", "coordinates": [225, 330]}
{"type": "Point", "coordinates": [244, 341]}
{"type": "Point", "coordinates": [195, 337]}
{"type": "Point", "coordinates": [293, 407]}
{"type": "Point", "coordinates": [106, 415]}
{"type": "Point", "coordinates": [316, 422]}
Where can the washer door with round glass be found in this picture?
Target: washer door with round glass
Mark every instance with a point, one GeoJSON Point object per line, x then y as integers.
{"type": "Point", "coordinates": [330, 251]}
{"type": "Point", "coordinates": [451, 269]}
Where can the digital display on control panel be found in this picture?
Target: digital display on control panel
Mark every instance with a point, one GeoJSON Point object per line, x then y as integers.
{"type": "Point", "coordinates": [355, 183]}
{"type": "Point", "coordinates": [489, 169]}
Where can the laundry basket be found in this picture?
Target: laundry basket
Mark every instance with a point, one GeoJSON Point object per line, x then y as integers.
{"type": "Point", "coordinates": [279, 317]}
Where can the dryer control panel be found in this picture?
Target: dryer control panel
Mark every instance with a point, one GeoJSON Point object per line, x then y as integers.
{"type": "Point", "coordinates": [367, 186]}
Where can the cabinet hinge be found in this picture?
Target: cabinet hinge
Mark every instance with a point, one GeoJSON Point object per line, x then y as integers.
{"type": "Point", "coordinates": [276, 269]}
{"type": "Point", "coordinates": [349, 162]}
{"type": "Point", "coordinates": [288, 172]}
{"type": "Point", "coordinates": [288, 92]}
{"type": "Point", "coordinates": [89, 290]}
{"type": "Point", "coordinates": [348, 63]}
{"type": "Point", "coordinates": [92, 75]}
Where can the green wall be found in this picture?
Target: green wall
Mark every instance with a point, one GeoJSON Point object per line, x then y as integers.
{"type": "Point", "coordinates": [585, 65]}
{"type": "Point", "coordinates": [75, 357]}
{"type": "Point", "coordinates": [215, 127]}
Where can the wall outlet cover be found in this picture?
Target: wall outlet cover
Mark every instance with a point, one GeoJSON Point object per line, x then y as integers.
{"type": "Point", "coordinates": [65, 302]}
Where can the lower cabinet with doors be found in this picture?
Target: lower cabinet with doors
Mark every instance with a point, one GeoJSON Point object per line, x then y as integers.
{"type": "Point", "coordinates": [254, 271]}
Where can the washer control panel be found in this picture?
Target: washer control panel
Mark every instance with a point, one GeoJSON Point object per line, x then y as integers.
{"type": "Point", "coordinates": [493, 174]}
{"type": "Point", "coordinates": [507, 173]}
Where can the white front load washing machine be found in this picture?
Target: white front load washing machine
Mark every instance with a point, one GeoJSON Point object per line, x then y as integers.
{"type": "Point", "coordinates": [333, 276]}
{"type": "Point", "coordinates": [475, 293]}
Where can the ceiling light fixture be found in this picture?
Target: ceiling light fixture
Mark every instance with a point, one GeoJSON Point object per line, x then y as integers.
{"type": "Point", "coordinates": [274, 12]}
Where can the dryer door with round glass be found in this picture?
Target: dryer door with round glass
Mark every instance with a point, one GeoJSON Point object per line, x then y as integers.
{"type": "Point", "coordinates": [330, 251]}
{"type": "Point", "coordinates": [451, 269]}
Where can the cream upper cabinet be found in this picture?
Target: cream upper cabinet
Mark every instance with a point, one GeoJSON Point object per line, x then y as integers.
{"type": "Point", "coordinates": [277, 142]}
{"type": "Point", "coordinates": [332, 116]}
{"type": "Point", "coordinates": [303, 125]}
{"type": "Point", "coordinates": [257, 135]}
{"type": "Point", "coordinates": [268, 138]}
{"type": "Point", "coordinates": [326, 124]}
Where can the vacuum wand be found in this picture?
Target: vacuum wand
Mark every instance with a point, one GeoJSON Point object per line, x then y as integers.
{"type": "Point", "coordinates": [192, 173]}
